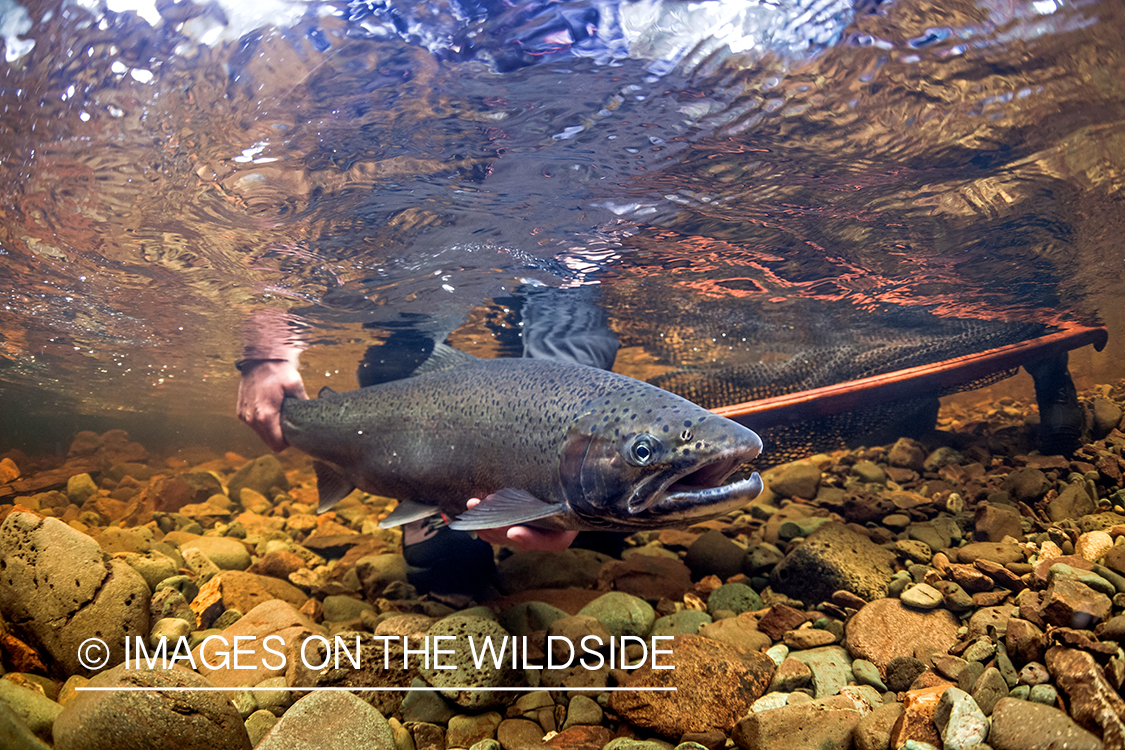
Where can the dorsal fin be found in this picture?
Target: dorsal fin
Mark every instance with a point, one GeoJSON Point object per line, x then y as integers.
{"type": "Point", "coordinates": [444, 357]}
{"type": "Point", "coordinates": [325, 391]}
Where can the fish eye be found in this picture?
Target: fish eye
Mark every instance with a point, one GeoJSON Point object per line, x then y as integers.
{"type": "Point", "coordinates": [642, 450]}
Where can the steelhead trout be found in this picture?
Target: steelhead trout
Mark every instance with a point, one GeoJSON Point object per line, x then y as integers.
{"type": "Point", "coordinates": [546, 444]}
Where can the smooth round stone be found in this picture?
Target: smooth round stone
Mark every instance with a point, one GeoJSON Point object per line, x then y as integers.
{"type": "Point", "coordinates": [114, 719]}
{"type": "Point", "coordinates": [1093, 545]}
{"type": "Point", "coordinates": [1045, 694]}
{"type": "Point", "coordinates": [519, 734]}
{"type": "Point", "coordinates": [37, 711]}
{"type": "Point", "coordinates": [329, 721]}
{"type": "Point", "coordinates": [735, 597]}
{"type": "Point", "coordinates": [258, 725]}
{"type": "Point", "coordinates": [896, 521]}
{"type": "Point", "coordinates": [172, 628]}
{"type": "Point", "coordinates": [622, 614]}
{"type": "Point", "coordinates": [583, 710]}
{"type": "Point", "coordinates": [684, 622]}
{"type": "Point", "coordinates": [226, 553]}
{"type": "Point", "coordinates": [273, 695]}
{"type": "Point", "coordinates": [1034, 673]}
{"type": "Point", "coordinates": [341, 608]}
{"type": "Point", "coordinates": [867, 673]}
{"type": "Point", "coordinates": [922, 596]}
{"type": "Point", "coordinates": [778, 653]}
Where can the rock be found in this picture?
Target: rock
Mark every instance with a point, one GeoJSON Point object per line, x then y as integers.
{"type": "Point", "coordinates": [79, 488]}
{"type": "Point", "coordinates": [1093, 702]}
{"type": "Point", "coordinates": [244, 591]}
{"type": "Point", "coordinates": [791, 674]}
{"type": "Point", "coordinates": [14, 732]}
{"type": "Point", "coordinates": [529, 617]}
{"type": "Point", "coordinates": [1073, 501]}
{"type": "Point", "coordinates": [715, 686]}
{"type": "Point", "coordinates": [1093, 545]}
{"type": "Point", "coordinates": [1027, 484]}
{"type": "Point", "coordinates": [583, 710]}
{"type": "Point", "coordinates": [342, 608]}
{"type": "Point", "coordinates": [713, 553]}
{"type": "Point", "coordinates": [868, 472]}
{"type": "Point", "coordinates": [922, 596]}
{"type": "Point", "coordinates": [1022, 725]}
{"type": "Point", "coordinates": [647, 577]}
{"type": "Point", "coordinates": [465, 633]}
{"type": "Point", "coordinates": [329, 721]}
{"type": "Point", "coordinates": [572, 568]}
{"type": "Point", "coordinates": [117, 720]}
{"type": "Point", "coordinates": [36, 710]}
{"type": "Point", "coordinates": [902, 671]}
{"type": "Point", "coordinates": [684, 622]}
{"type": "Point", "coordinates": [280, 563]}
{"type": "Point", "coordinates": [519, 734]}
{"type": "Point", "coordinates": [174, 493]}
{"type": "Point", "coordinates": [989, 688]}
{"type": "Point", "coordinates": [907, 454]}
{"type": "Point", "coordinates": [917, 720]}
{"type": "Point", "coordinates": [741, 632]}
{"type": "Point", "coordinates": [959, 720]}
{"type": "Point", "coordinates": [258, 725]}
{"type": "Point", "coordinates": [873, 732]}
{"type": "Point", "coordinates": [262, 475]}
{"type": "Point", "coordinates": [1025, 641]}
{"type": "Point", "coordinates": [582, 737]}
{"type": "Point", "coordinates": [1107, 415]}
{"type": "Point", "coordinates": [226, 553]}
{"type": "Point", "coordinates": [998, 552]}
{"type": "Point", "coordinates": [994, 522]}
{"type": "Point", "coordinates": [273, 624]}
{"type": "Point", "coordinates": [779, 620]}
{"type": "Point", "coordinates": [808, 638]}
{"type": "Point", "coordinates": [834, 557]}
{"type": "Point", "coordinates": [830, 667]}
{"type": "Point", "coordinates": [866, 673]}
{"type": "Point", "coordinates": [425, 706]}
{"type": "Point", "coordinates": [733, 597]}
{"type": "Point", "coordinates": [621, 613]}
{"type": "Point", "coordinates": [57, 584]}
{"type": "Point", "coordinates": [1067, 603]}
{"type": "Point", "coordinates": [152, 566]}
{"type": "Point", "coordinates": [797, 479]}
{"type": "Point", "coordinates": [825, 724]}
{"type": "Point", "coordinates": [886, 628]}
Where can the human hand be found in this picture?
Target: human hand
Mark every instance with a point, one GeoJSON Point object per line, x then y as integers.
{"type": "Point", "coordinates": [264, 384]}
{"type": "Point", "coordinates": [524, 538]}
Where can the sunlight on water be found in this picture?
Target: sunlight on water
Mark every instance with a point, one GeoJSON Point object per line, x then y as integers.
{"type": "Point", "coordinates": [738, 179]}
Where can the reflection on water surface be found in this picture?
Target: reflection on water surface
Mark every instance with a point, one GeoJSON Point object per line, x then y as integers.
{"type": "Point", "coordinates": [800, 171]}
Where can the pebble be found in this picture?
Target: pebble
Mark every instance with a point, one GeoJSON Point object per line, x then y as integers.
{"type": "Point", "coordinates": [1022, 725]}
{"type": "Point", "coordinates": [621, 613]}
{"type": "Point", "coordinates": [833, 558]}
{"type": "Point", "coordinates": [198, 720]}
{"type": "Point", "coordinates": [922, 596]}
{"type": "Point", "coordinates": [329, 721]}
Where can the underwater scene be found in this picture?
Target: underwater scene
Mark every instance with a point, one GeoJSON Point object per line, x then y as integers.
{"type": "Point", "coordinates": [576, 374]}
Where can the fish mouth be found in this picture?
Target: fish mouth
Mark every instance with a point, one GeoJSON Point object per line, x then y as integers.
{"type": "Point", "coordinates": [699, 493]}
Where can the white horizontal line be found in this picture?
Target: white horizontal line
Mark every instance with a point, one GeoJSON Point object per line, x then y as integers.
{"type": "Point", "coordinates": [374, 689]}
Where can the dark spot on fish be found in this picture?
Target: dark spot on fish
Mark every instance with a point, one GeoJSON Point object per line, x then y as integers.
{"type": "Point", "coordinates": [666, 428]}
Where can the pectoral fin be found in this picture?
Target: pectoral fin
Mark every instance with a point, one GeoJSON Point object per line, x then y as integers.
{"type": "Point", "coordinates": [406, 512]}
{"type": "Point", "coordinates": [331, 485]}
{"type": "Point", "coordinates": [506, 507]}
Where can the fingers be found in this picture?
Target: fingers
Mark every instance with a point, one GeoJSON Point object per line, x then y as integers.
{"type": "Point", "coordinates": [260, 392]}
{"type": "Point", "coordinates": [525, 538]}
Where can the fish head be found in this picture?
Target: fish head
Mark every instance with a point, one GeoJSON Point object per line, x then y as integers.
{"type": "Point", "coordinates": [655, 460]}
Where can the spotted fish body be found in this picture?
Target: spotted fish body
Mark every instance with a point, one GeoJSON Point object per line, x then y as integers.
{"type": "Point", "coordinates": [548, 444]}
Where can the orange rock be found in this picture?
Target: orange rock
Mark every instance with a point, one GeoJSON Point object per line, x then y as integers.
{"type": "Point", "coordinates": [917, 720]}
{"type": "Point", "coordinates": [9, 472]}
{"type": "Point", "coordinates": [21, 656]}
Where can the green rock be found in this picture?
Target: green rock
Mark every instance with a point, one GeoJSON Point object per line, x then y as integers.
{"type": "Point", "coordinates": [867, 673]}
{"type": "Point", "coordinates": [460, 637]}
{"type": "Point", "coordinates": [14, 732]}
{"type": "Point", "coordinates": [37, 711]}
{"type": "Point", "coordinates": [79, 488]}
{"type": "Point", "coordinates": [467, 731]}
{"type": "Point", "coordinates": [831, 668]}
{"type": "Point", "coordinates": [184, 584]}
{"type": "Point", "coordinates": [340, 608]}
{"type": "Point", "coordinates": [529, 617]}
{"type": "Point", "coordinates": [153, 566]}
{"type": "Point", "coordinates": [621, 613]}
{"type": "Point", "coordinates": [168, 602]}
{"type": "Point", "coordinates": [687, 621]}
{"type": "Point", "coordinates": [583, 710]}
{"type": "Point", "coordinates": [425, 705]}
{"type": "Point", "coordinates": [226, 619]}
{"type": "Point", "coordinates": [258, 725]}
{"type": "Point", "coordinates": [628, 743]}
{"type": "Point", "coordinates": [226, 553]}
{"type": "Point", "coordinates": [735, 597]}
